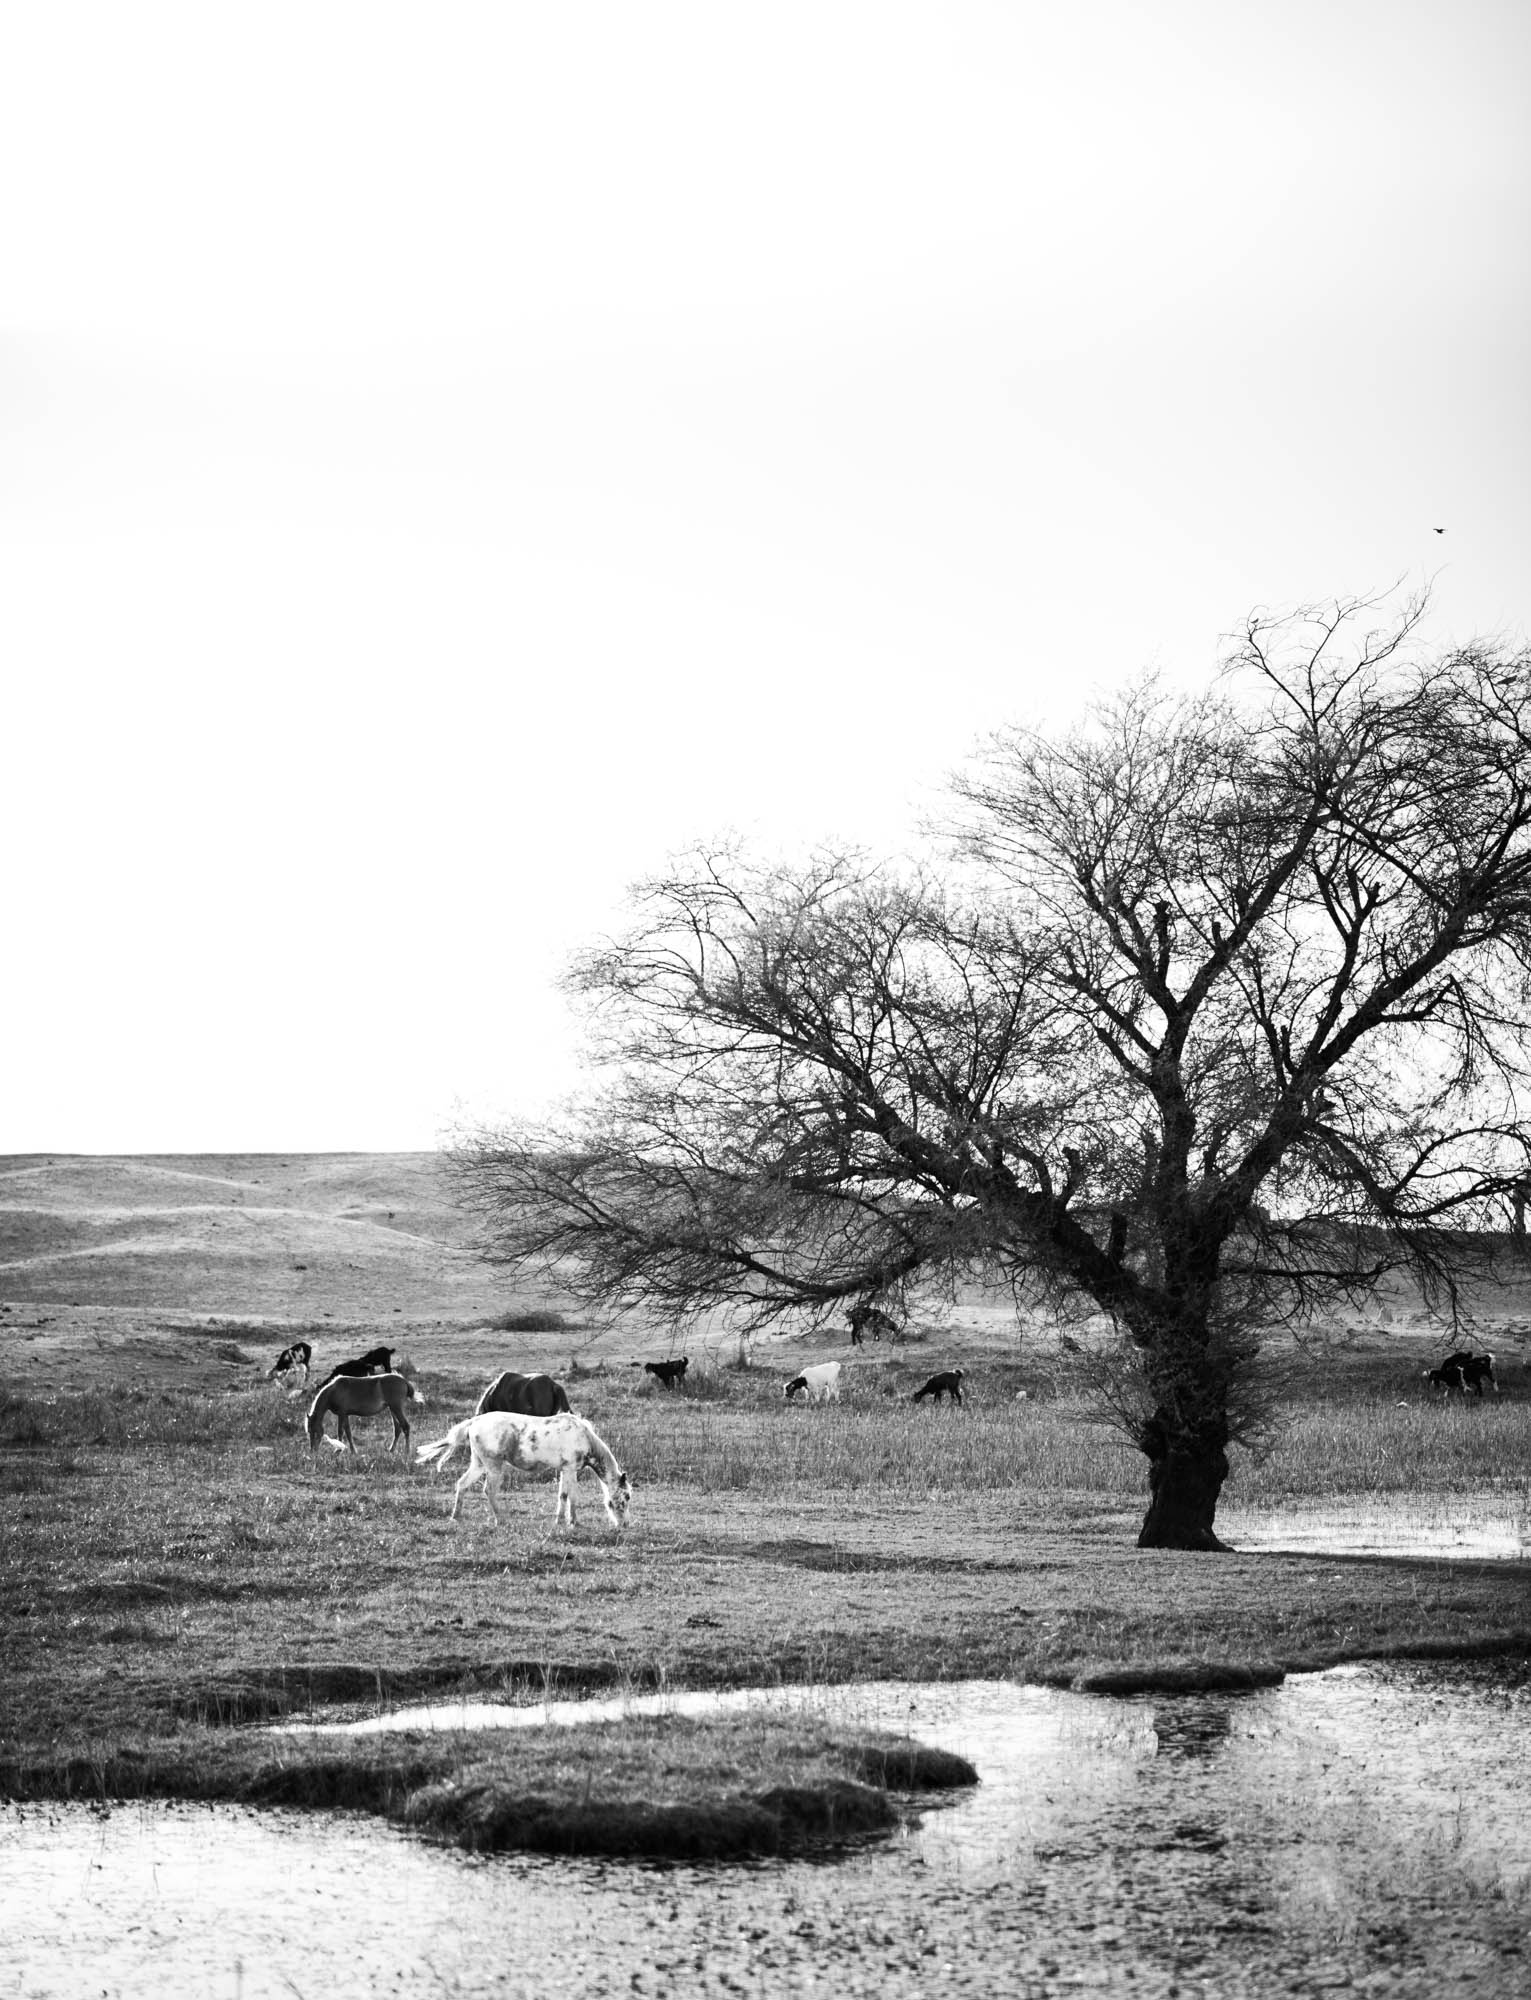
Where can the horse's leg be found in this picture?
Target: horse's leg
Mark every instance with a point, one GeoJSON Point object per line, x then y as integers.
{"type": "Point", "coordinates": [568, 1482]}
{"type": "Point", "coordinates": [344, 1425]}
{"type": "Point", "coordinates": [494, 1479]}
{"type": "Point", "coordinates": [475, 1468]}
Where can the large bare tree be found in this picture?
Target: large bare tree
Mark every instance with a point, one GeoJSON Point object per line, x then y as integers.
{"type": "Point", "coordinates": [1217, 1008]}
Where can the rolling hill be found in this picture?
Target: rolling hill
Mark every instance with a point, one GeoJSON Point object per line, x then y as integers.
{"type": "Point", "coordinates": [363, 1237]}
{"type": "Point", "coordinates": [284, 1236]}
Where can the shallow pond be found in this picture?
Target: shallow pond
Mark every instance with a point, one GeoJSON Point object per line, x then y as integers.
{"type": "Point", "coordinates": [1365, 1828]}
{"type": "Point", "coordinates": [1493, 1527]}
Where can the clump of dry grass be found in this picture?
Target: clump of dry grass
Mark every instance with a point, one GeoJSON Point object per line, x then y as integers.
{"type": "Point", "coordinates": [682, 1788]}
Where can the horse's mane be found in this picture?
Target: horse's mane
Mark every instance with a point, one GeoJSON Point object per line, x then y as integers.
{"type": "Point", "coordinates": [316, 1410]}
{"type": "Point", "coordinates": [601, 1452]}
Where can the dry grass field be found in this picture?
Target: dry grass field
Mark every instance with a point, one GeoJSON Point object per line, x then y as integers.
{"type": "Point", "coordinates": [179, 1569]}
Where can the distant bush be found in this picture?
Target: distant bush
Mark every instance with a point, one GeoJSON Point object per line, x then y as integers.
{"type": "Point", "coordinates": [538, 1320]}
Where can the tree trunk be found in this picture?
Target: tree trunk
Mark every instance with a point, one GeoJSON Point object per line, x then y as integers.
{"type": "Point", "coordinates": [1186, 1470]}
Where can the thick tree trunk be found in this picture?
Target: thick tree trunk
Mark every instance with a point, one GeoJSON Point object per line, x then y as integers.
{"type": "Point", "coordinates": [1186, 1477]}
{"type": "Point", "coordinates": [1190, 1360]}
{"type": "Point", "coordinates": [1186, 1470]}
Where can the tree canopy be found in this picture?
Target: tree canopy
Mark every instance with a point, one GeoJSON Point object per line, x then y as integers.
{"type": "Point", "coordinates": [1214, 1005]}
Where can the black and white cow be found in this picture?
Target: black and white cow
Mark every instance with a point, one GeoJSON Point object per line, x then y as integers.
{"type": "Point", "coordinates": [286, 1364]}
{"type": "Point", "coordinates": [1462, 1371]}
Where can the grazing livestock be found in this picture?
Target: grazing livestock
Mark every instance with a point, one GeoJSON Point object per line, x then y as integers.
{"type": "Point", "coordinates": [947, 1383]}
{"type": "Point", "coordinates": [567, 1445]}
{"type": "Point", "coordinates": [667, 1373]}
{"type": "Point", "coordinates": [523, 1396]}
{"type": "Point", "coordinates": [869, 1319]}
{"type": "Point", "coordinates": [290, 1360]}
{"type": "Point", "coordinates": [347, 1396]}
{"type": "Point", "coordinates": [822, 1383]}
{"type": "Point", "coordinates": [376, 1361]}
{"type": "Point", "coordinates": [1461, 1371]}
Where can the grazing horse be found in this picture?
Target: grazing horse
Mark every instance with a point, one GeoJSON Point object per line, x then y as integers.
{"type": "Point", "coordinates": [869, 1319]}
{"type": "Point", "coordinates": [822, 1383]}
{"type": "Point", "coordinates": [947, 1383]}
{"type": "Point", "coordinates": [376, 1361]}
{"type": "Point", "coordinates": [566, 1445]}
{"type": "Point", "coordinates": [1462, 1371]}
{"type": "Point", "coordinates": [347, 1396]}
{"type": "Point", "coordinates": [523, 1396]}
{"type": "Point", "coordinates": [668, 1374]}
{"type": "Point", "coordinates": [299, 1355]}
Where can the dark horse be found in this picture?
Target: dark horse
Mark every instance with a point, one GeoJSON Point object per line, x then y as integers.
{"type": "Point", "coordinates": [523, 1396]}
{"type": "Point", "coordinates": [347, 1396]}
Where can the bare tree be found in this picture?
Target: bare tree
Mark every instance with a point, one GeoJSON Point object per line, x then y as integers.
{"type": "Point", "coordinates": [1217, 1013]}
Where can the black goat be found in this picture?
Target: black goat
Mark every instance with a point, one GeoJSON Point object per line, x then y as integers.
{"type": "Point", "coordinates": [376, 1361]}
{"type": "Point", "coordinates": [667, 1373]}
{"type": "Point", "coordinates": [947, 1383]}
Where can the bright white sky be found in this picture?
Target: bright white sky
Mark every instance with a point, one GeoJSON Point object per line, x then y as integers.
{"type": "Point", "coordinates": [453, 456]}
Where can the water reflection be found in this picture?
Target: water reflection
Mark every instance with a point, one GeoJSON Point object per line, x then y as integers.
{"type": "Point", "coordinates": [1194, 1726]}
{"type": "Point", "coordinates": [1245, 1844]}
{"type": "Point", "coordinates": [1483, 1529]}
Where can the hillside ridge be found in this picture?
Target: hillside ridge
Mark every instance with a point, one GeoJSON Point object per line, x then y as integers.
{"type": "Point", "coordinates": [281, 1234]}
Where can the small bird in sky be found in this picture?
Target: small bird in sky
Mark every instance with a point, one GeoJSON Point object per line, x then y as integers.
{"type": "Point", "coordinates": [1440, 531]}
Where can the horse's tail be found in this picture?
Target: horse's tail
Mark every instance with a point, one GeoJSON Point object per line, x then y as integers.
{"type": "Point", "coordinates": [441, 1450]}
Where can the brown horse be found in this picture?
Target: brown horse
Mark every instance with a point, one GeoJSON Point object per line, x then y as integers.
{"type": "Point", "coordinates": [523, 1396]}
{"type": "Point", "coordinates": [347, 1396]}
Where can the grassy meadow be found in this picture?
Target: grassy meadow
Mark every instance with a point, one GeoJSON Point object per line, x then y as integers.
{"type": "Point", "coordinates": [179, 1571]}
